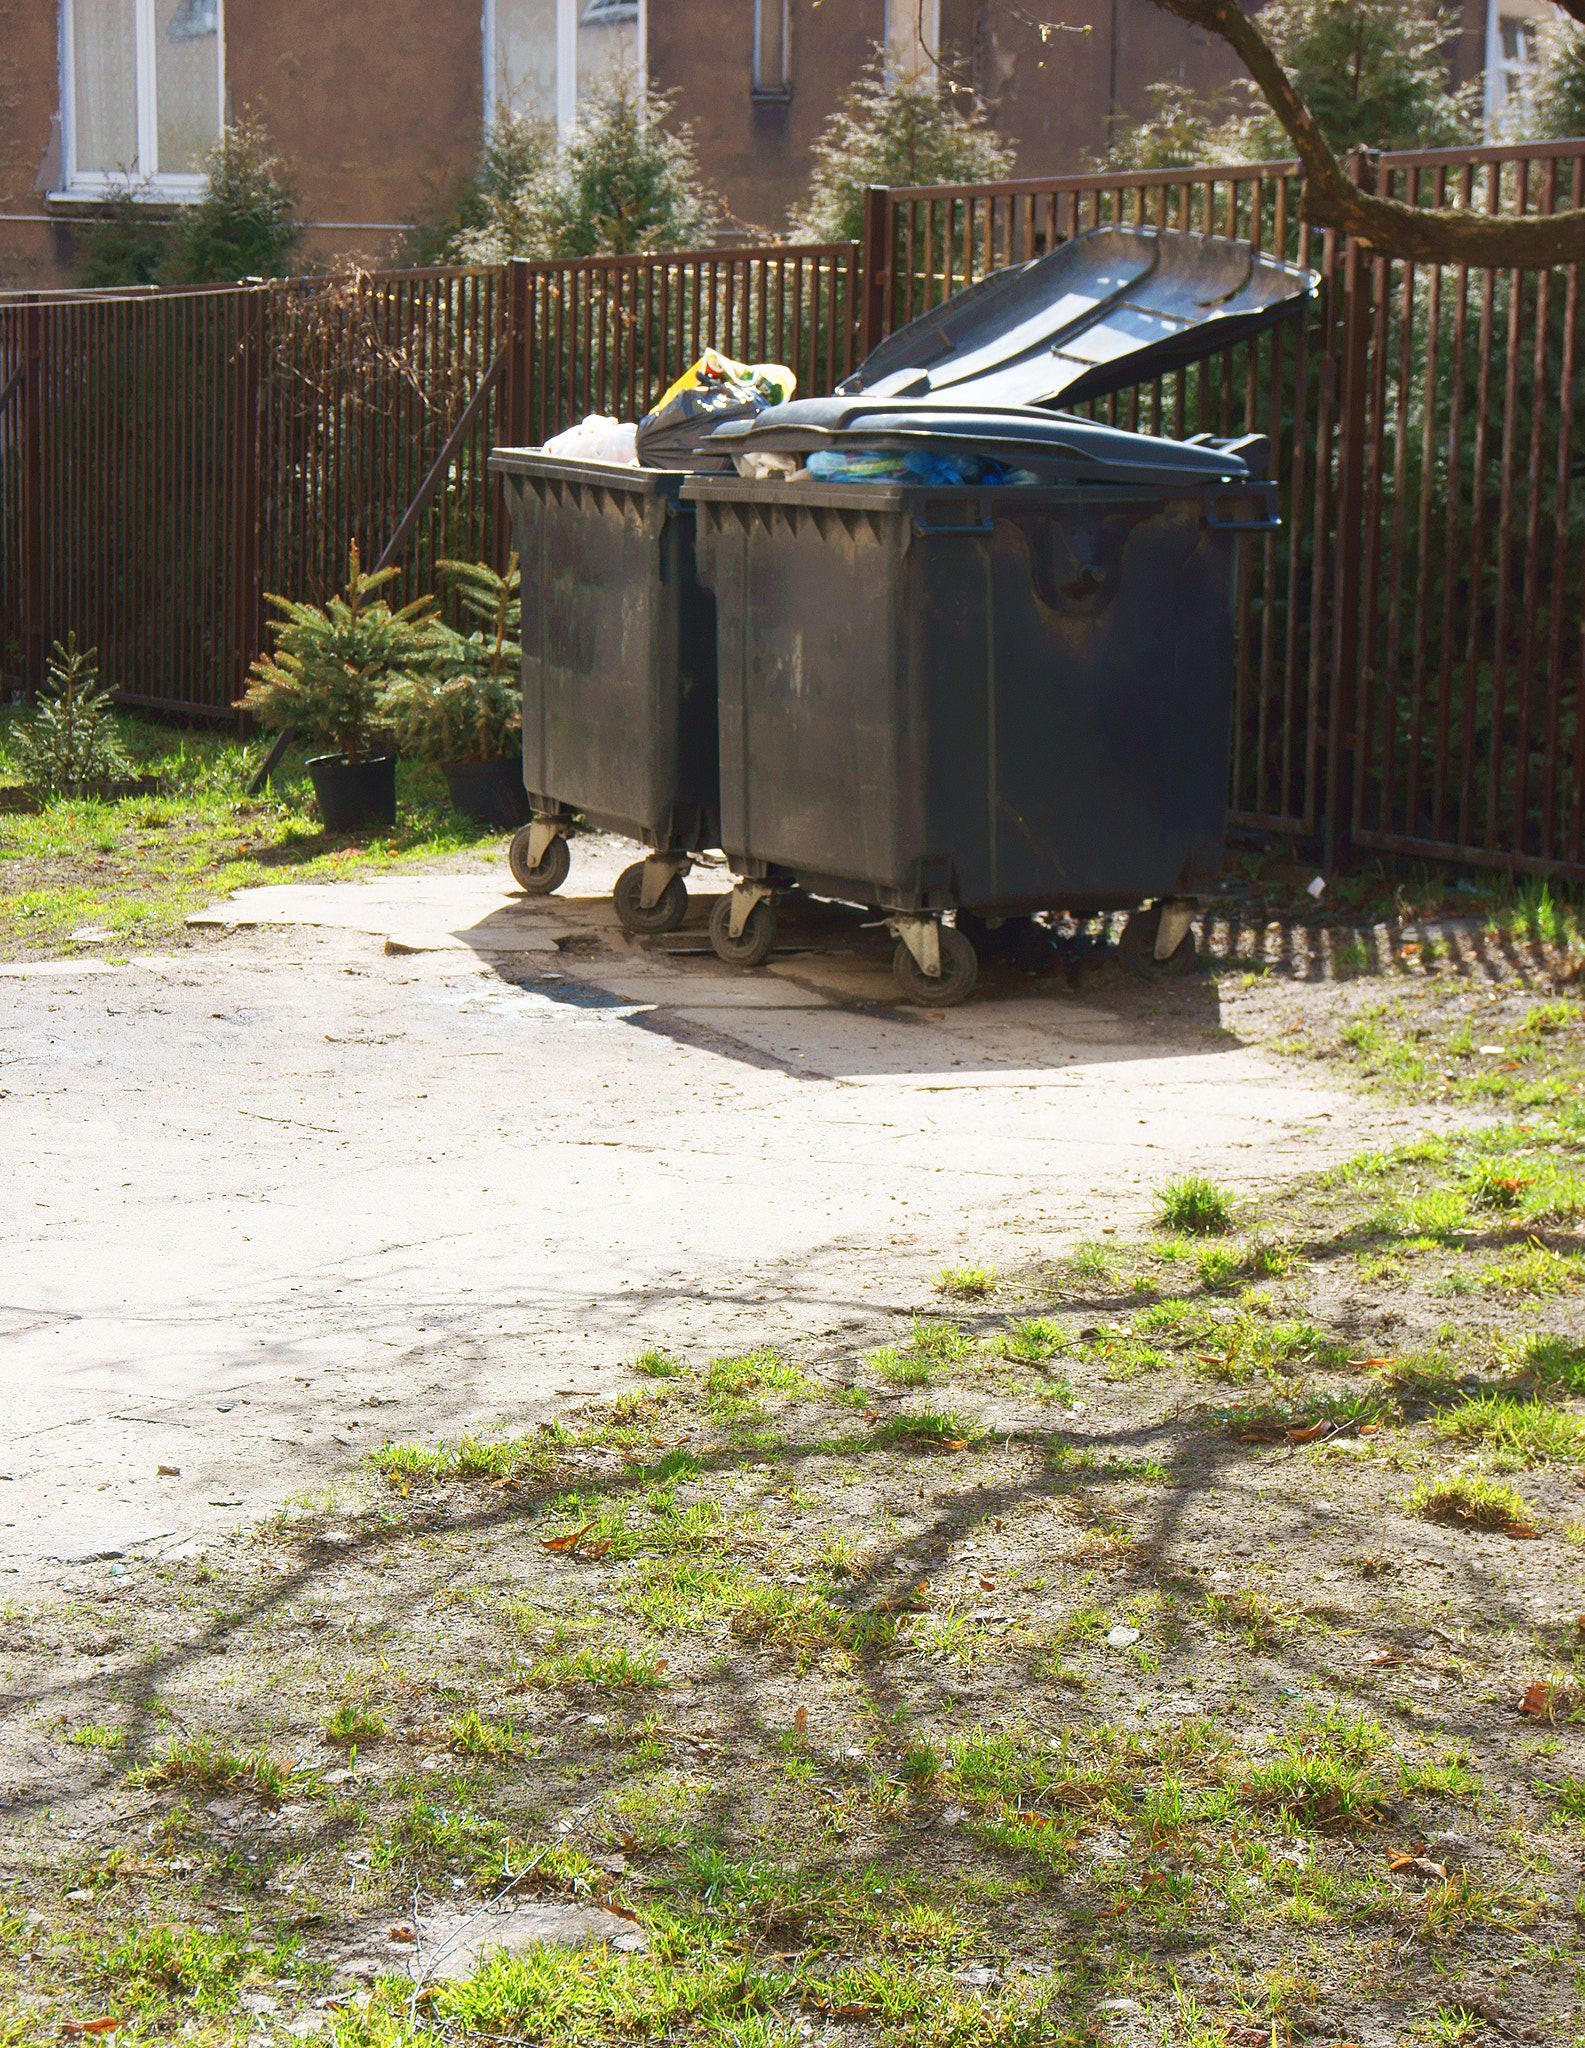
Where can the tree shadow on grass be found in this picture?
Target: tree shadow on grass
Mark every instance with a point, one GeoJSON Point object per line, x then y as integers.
{"type": "Point", "coordinates": [1011, 1807]}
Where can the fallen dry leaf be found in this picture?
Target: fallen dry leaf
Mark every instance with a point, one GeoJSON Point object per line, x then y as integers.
{"type": "Point", "coordinates": [801, 1719]}
{"type": "Point", "coordinates": [571, 1542]}
{"type": "Point", "coordinates": [167, 1471]}
{"type": "Point", "coordinates": [1415, 1859]}
{"type": "Point", "coordinates": [1537, 1702]}
{"type": "Point", "coordinates": [987, 1585]}
{"type": "Point", "coordinates": [598, 1549]}
{"type": "Point", "coordinates": [1308, 1434]}
{"type": "Point", "coordinates": [105, 2024]}
{"type": "Point", "coordinates": [1370, 1364]}
{"type": "Point", "coordinates": [1383, 1656]}
{"type": "Point", "coordinates": [401, 1934]}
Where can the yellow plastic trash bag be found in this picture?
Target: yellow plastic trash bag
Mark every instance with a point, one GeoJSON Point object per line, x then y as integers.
{"type": "Point", "coordinates": [774, 382]}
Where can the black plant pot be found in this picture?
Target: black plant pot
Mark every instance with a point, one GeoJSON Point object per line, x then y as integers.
{"type": "Point", "coordinates": [354, 796]}
{"type": "Point", "coordinates": [490, 791]}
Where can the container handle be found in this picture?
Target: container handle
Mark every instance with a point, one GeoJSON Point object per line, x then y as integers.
{"type": "Point", "coordinates": [985, 524]}
{"type": "Point", "coordinates": [1271, 523]}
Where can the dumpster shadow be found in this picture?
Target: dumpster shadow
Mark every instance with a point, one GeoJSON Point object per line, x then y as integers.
{"type": "Point", "coordinates": [826, 1007]}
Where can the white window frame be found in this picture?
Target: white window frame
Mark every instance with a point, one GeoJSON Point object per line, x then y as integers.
{"type": "Point", "coordinates": [139, 179]}
{"type": "Point", "coordinates": [567, 24]}
{"type": "Point", "coordinates": [763, 88]}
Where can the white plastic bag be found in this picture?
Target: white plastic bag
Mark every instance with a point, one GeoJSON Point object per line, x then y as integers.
{"type": "Point", "coordinates": [597, 439]}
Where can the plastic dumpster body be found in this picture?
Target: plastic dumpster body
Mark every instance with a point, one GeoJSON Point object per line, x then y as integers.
{"type": "Point", "coordinates": [987, 700]}
{"type": "Point", "coordinates": [619, 688]}
{"type": "Point", "coordinates": [1010, 696]}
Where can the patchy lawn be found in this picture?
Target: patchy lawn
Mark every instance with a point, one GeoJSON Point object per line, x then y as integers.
{"type": "Point", "coordinates": [136, 868]}
{"type": "Point", "coordinates": [1180, 1642]}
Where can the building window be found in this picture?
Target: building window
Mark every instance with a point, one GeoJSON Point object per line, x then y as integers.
{"type": "Point", "coordinates": [599, 12]}
{"type": "Point", "coordinates": [772, 77]}
{"type": "Point", "coordinates": [143, 84]}
{"type": "Point", "coordinates": [1520, 60]}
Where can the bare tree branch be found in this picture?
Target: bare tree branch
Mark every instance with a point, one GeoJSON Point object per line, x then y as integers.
{"type": "Point", "coordinates": [1331, 198]}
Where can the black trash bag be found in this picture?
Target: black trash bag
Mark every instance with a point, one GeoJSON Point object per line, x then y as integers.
{"type": "Point", "coordinates": [674, 437]}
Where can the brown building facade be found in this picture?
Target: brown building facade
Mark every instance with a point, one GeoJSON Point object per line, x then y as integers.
{"type": "Point", "coordinates": [374, 106]}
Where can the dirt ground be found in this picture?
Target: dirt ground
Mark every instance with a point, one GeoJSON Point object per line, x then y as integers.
{"type": "Point", "coordinates": [289, 1189]}
{"type": "Point", "coordinates": [1062, 1615]}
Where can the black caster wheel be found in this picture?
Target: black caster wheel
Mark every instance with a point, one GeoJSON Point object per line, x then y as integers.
{"type": "Point", "coordinates": [663, 915]}
{"type": "Point", "coordinates": [1136, 947]}
{"type": "Point", "coordinates": [554, 863]}
{"type": "Point", "coordinates": [752, 945]}
{"type": "Point", "coordinates": [959, 967]}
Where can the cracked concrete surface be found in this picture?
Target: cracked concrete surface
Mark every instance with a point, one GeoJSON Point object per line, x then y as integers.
{"type": "Point", "coordinates": [427, 1156]}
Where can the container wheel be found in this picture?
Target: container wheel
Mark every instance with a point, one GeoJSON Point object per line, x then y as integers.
{"type": "Point", "coordinates": [664, 914]}
{"type": "Point", "coordinates": [959, 967]}
{"type": "Point", "coordinates": [554, 865]}
{"type": "Point", "coordinates": [1136, 947]}
{"type": "Point", "coordinates": [752, 945]}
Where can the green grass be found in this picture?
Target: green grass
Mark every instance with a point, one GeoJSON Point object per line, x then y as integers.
{"type": "Point", "coordinates": [96, 1736]}
{"type": "Point", "coordinates": [906, 1368]}
{"type": "Point", "coordinates": [731, 1387]}
{"type": "Point", "coordinates": [1194, 1206]}
{"type": "Point", "coordinates": [657, 1365]}
{"type": "Point", "coordinates": [966, 1283]}
{"type": "Point", "coordinates": [511, 1458]}
{"type": "Point", "coordinates": [356, 1722]}
{"type": "Point", "coordinates": [939, 1344]}
{"type": "Point", "coordinates": [1516, 1432]}
{"type": "Point", "coordinates": [199, 1765]}
{"type": "Point", "coordinates": [1534, 1268]}
{"type": "Point", "coordinates": [470, 1735]}
{"type": "Point", "coordinates": [1551, 1363]}
{"type": "Point", "coordinates": [605, 1670]}
{"type": "Point", "coordinates": [1470, 1502]}
{"type": "Point", "coordinates": [930, 1430]}
{"type": "Point", "coordinates": [137, 867]}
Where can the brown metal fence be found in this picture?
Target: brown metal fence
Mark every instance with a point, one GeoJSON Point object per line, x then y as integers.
{"type": "Point", "coordinates": [1410, 667]}
{"type": "Point", "coordinates": [1410, 671]}
{"type": "Point", "coordinates": [168, 457]}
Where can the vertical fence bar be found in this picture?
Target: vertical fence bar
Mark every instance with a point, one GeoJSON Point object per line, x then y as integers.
{"type": "Point", "coordinates": [1574, 841]}
{"type": "Point", "coordinates": [33, 498]}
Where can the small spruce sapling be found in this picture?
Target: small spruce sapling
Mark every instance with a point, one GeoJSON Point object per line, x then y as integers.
{"type": "Point", "coordinates": [468, 705]}
{"type": "Point", "coordinates": [70, 739]}
{"type": "Point", "coordinates": [333, 664]}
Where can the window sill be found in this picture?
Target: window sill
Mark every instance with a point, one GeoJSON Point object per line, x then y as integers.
{"type": "Point", "coordinates": [159, 199]}
{"type": "Point", "coordinates": [771, 95]}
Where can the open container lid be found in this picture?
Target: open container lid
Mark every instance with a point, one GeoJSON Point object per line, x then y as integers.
{"type": "Point", "coordinates": [1108, 309]}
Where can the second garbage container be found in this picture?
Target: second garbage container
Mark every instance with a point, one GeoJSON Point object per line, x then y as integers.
{"type": "Point", "coordinates": [619, 654]}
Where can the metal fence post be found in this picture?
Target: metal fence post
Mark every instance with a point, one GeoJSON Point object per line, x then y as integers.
{"type": "Point", "coordinates": [872, 269]}
{"type": "Point", "coordinates": [33, 499]}
{"type": "Point", "coordinates": [1340, 799]}
{"type": "Point", "coordinates": [515, 397]}
{"type": "Point", "coordinates": [247, 626]}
